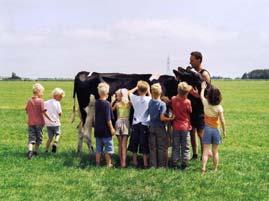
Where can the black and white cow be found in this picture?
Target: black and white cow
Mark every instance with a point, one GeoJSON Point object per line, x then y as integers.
{"type": "Point", "coordinates": [85, 89]}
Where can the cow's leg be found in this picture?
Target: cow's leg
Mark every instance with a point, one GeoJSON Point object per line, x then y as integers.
{"type": "Point", "coordinates": [88, 128]}
{"type": "Point", "coordinates": [80, 137]}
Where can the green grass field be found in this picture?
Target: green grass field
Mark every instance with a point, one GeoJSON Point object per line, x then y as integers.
{"type": "Point", "coordinates": [244, 156]}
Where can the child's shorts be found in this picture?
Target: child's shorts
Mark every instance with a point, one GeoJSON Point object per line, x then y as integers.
{"type": "Point", "coordinates": [35, 134]}
{"type": "Point", "coordinates": [106, 143]}
{"type": "Point", "coordinates": [53, 131]}
{"type": "Point", "coordinates": [211, 136]}
{"type": "Point", "coordinates": [122, 127]}
{"type": "Point", "coordinates": [139, 139]}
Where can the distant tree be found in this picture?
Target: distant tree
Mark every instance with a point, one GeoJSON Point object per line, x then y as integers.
{"type": "Point", "coordinates": [257, 74]}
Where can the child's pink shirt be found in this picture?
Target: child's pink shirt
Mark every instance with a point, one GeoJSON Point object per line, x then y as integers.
{"type": "Point", "coordinates": [35, 108]}
{"type": "Point", "coordinates": [182, 109]}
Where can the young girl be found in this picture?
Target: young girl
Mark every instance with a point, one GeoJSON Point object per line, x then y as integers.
{"type": "Point", "coordinates": [122, 107]}
{"type": "Point", "coordinates": [213, 113]}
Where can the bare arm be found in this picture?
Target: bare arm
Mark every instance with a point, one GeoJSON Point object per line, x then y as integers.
{"type": "Point", "coordinates": [111, 128]}
{"type": "Point", "coordinates": [206, 76]}
{"type": "Point", "coordinates": [114, 107]}
{"type": "Point", "coordinates": [194, 92]}
{"type": "Point", "coordinates": [47, 116]}
{"type": "Point", "coordinates": [203, 87]}
{"type": "Point", "coordinates": [222, 121]}
{"type": "Point", "coordinates": [132, 90]}
{"type": "Point", "coordinates": [164, 118]}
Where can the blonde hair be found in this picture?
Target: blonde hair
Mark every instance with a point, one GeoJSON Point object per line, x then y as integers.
{"type": "Point", "coordinates": [103, 88]}
{"type": "Point", "coordinates": [156, 90]}
{"type": "Point", "coordinates": [124, 94]}
{"type": "Point", "coordinates": [37, 88]}
{"type": "Point", "coordinates": [183, 88]}
{"type": "Point", "coordinates": [58, 92]}
{"type": "Point", "coordinates": [142, 86]}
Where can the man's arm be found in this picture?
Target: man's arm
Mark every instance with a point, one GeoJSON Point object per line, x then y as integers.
{"type": "Point", "coordinates": [206, 76]}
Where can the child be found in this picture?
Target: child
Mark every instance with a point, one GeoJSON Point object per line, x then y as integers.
{"type": "Point", "coordinates": [213, 113]}
{"type": "Point", "coordinates": [182, 109]}
{"type": "Point", "coordinates": [35, 110]}
{"type": "Point", "coordinates": [158, 138]}
{"type": "Point", "coordinates": [122, 106]}
{"type": "Point", "coordinates": [54, 110]}
{"type": "Point", "coordinates": [103, 128]}
{"type": "Point", "coordinates": [140, 132]}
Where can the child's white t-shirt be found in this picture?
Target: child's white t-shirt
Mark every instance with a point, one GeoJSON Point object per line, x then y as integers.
{"type": "Point", "coordinates": [140, 104]}
{"type": "Point", "coordinates": [53, 108]}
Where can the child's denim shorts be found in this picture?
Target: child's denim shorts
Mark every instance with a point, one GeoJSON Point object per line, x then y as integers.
{"type": "Point", "coordinates": [53, 131]}
{"type": "Point", "coordinates": [106, 143]}
{"type": "Point", "coordinates": [211, 136]}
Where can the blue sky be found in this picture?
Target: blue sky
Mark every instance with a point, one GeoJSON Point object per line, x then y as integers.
{"type": "Point", "coordinates": [58, 38]}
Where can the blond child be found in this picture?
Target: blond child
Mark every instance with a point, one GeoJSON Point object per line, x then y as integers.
{"type": "Point", "coordinates": [103, 128]}
{"type": "Point", "coordinates": [140, 130]}
{"type": "Point", "coordinates": [158, 138]}
{"type": "Point", "coordinates": [182, 109]}
{"type": "Point", "coordinates": [35, 110]}
{"type": "Point", "coordinates": [213, 113]}
{"type": "Point", "coordinates": [54, 110]}
{"type": "Point", "coordinates": [122, 106]}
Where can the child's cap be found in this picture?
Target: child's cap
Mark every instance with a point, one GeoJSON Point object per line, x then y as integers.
{"type": "Point", "coordinates": [58, 92]}
{"type": "Point", "coordinates": [38, 88]}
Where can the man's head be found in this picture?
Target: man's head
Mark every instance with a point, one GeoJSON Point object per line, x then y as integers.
{"type": "Point", "coordinates": [183, 88]}
{"type": "Point", "coordinates": [142, 87]}
{"type": "Point", "coordinates": [196, 59]}
{"type": "Point", "coordinates": [103, 89]}
{"type": "Point", "coordinates": [156, 91]}
{"type": "Point", "coordinates": [38, 90]}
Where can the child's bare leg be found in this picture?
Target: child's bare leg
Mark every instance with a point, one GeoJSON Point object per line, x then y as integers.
{"type": "Point", "coordinates": [98, 159]}
{"type": "Point", "coordinates": [48, 144]}
{"type": "Point", "coordinates": [135, 159]}
{"type": "Point", "coordinates": [215, 148]}
{"type": "Point", "coordinates": [36, 147]}
{"type": "Point", "coordinates": [145, 159]}
{"type": "Point", "coordinates": [30, 147]}
{"type": "Point", "coordinates": [108, 160]}
{"type": "Point", "coordinates": [119, 148]}
{"type": "Point", "coordinates": [205, 156]}
{"type": "Point", "coordinates": [57, 138]}
{"type": "Point", "coordinates": [124, 150]}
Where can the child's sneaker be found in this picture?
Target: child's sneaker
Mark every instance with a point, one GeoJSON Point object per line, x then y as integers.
{"type": "Point", "coordinates": [54, 148]}
{"type": "Point", "coordinates": [29, 155]}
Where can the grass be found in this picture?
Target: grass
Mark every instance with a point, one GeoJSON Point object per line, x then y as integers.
{"type": "Point", "coordinates": [243, 172]}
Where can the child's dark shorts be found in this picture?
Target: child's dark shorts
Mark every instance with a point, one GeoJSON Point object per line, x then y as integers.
{"type": "Point", "coordinates": [139, 140]}
{"type": "Point", "coordinates": [35, 134]}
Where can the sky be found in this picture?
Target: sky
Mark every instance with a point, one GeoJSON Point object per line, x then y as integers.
{"type": "Point", "coordinates": [59, 38]}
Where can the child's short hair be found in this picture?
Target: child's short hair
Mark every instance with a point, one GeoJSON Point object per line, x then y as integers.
{"type": "Point", "coordinates": [103, 88]}
{"type": "Point", "coordinates": [183, 88]}
{"type": "Point", "coordinates": [142, 86]}
{"type": "Point", "coordinates": [38, 88]}
{"type": "Point", "coordinates": [156, 90]}
{"type": "Point", "coordinates": [58, 92]}
{"type": "Point", "coordinates": [214, 96]}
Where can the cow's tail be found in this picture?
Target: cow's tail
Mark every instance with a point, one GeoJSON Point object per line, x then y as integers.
{"type": "Point", "coordinates": [73, 115]}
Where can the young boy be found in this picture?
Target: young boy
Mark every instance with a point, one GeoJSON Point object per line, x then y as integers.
{"type": "Point", "coordinates": [182, 109]}
{"type": "Point", "coordinates": [140, 132]}
{"type": "Point", "coordinates": [103, 129]}
{"type": "Point", "coordinates": [158, 138]}
{"type": "Point", "coordinates": [54, 110]}
{"type": "Point", "coordinates": [35, 110]}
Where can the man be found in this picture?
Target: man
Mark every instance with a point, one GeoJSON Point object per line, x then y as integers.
{"type": "Point", "coordinates": [197, 116]}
